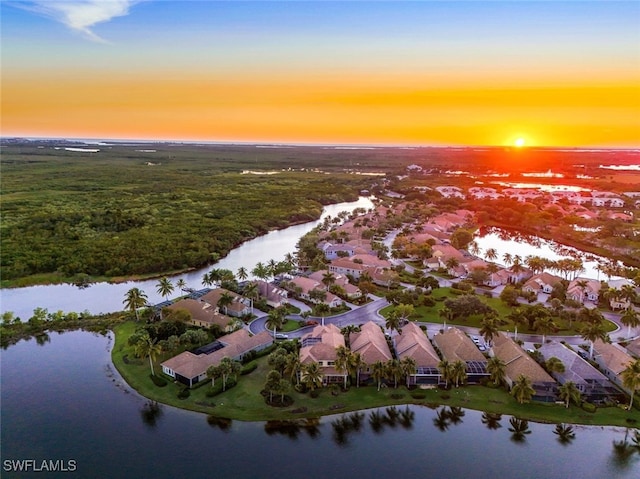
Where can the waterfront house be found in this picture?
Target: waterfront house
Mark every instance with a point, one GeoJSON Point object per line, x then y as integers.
{"type": "Point", "coordinates": [238, 307]}
{"type": "Point", "coordinates": [201, 314]}
{"type": "Point", "coordinates": [541, 283]}
{"type": "Point", "coordinates": [612, 359]}
{"type": "Point", "coordinates": [583, 289]}
{"type": "Point", "coordinates": [306, 285]}
{"type": "Point", "coordinates": [518, 362]}
{"type": "Point", "coordinates": [414, 343]}
{"type": "Point", "coordinates": [190, 368]}
{"type": "Point", "coordinates": [351, 291]}
{"type": "Point", "coordinates": [372, 345]}
{"type": "Point", "coordinates": [592, 384]}
{"type": "Point", "coordinates": [454, 345]}
{"type": "Point", "coordinates": [319, 346]}
{"type": "Point", "coordinates": [272, 294]}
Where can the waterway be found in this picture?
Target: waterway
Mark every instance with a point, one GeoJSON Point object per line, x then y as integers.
{"type": "Point", "coordinates": [62, 401]}
{"type": "Point", "coordinates": [108, 297]}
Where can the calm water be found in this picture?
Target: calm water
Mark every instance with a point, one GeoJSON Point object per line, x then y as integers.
{"type": "Point", "coordinates": [105, 297]}
{"type": "Point", "coordinates": [62, 401]}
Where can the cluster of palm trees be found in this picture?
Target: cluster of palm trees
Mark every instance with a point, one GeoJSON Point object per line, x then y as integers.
{"type": "Point", "coordinates": [454, 373]}
{"type": "Point", "coordinates": [393, 370]}
{"type": "Point", "coordinates": [225, 369]}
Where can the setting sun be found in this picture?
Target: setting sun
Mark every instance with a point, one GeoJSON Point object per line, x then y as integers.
{"type": "Point", "coordinates": [519, 142]}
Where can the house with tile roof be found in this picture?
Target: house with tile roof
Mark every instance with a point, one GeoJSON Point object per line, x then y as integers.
{"type": "Point", "coordinates": [372, 345]}
{"type": "Point", "coordinates": [272, 294]}
{"type": "Point", "coordinates": [541, 283]}
{"type": "Point", "coordinates": [239, 307]}
{"type": "Point", "coordinates": [305, 285]}
{"type": "Point", "coordinates": [584, 289]}
{"type": "Point", "coordinates": [592, 384]}
{"type": "Point", "coordinates": [633, 348]}
{"type": "Point", "coordinates": [612, 359]}
{"type": "Point", "coordinates": [519, 362]}
{"type": "Point", "coordinates": [454, 345]}
{"type": "Point", "coordinates": [351, 291]}
{"type": "Point", "coordinates": [191, 368]}
{"type": "Point", "coordinates": [319, 346]}
{"type": "Point", "coordinates": [202, 314]}
{"type": "Point", "coordinates": [414, 343]}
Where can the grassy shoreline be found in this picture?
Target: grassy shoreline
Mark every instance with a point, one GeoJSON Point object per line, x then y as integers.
{"type": "Point", "coordinates": [244, 402]}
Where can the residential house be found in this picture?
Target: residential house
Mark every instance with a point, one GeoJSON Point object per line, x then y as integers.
{"type": "Point", "coordinates": [612, 359]}
{"type": "Point", "coordinates": [518, 362]}
{"type": "Point", "coordinates": [454, 345]}
{"type": "Point", "coordinates": [190, 368]}
{"type": "Point", "coordinates": [237, 308]}
{"type": "Point", "coordinates": [583, 289]}
{"type": "Point", "coordinates": [633, 348]}
{"type": "Point", "coordinates": [619, 302]}
{"type": "Point", "coordinates": [305, 285]}
{"type": "Point", "coordinates": [498, 278]}
{"type": "Point", "coordinates": [272, 294]}
{"type": "Point", "coordinates": [541, 283]}
{"type": "Point", "coordinates": [372, 345]}
{"type": "Point", "coordinates": [351, 291]}
{"type": "Point", "coordinates": [443, 253]}
{"type": "Point", "coordinates": [592, 384]}
{"type": "Point", "coordinates": [450, 191]}
{"type": "Point", "coordinates": [319, 346]}
{"type": "Point", "coordinates": [413, 343]}
{"type": "Point", "coordinates": [202, 314]}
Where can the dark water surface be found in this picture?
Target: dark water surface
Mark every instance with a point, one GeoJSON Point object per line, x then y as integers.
{"type": "Point", "coordinates": [62, 401]}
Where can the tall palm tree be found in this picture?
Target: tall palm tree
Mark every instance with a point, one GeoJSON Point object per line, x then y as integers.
{"type": "Point", "coordinates": [251, 291]}
{"type": "Point", "coordinates": [356, 362]}
{"type": "Point", "coordinates": [164, 287]}
{"type": "Point", "coordinates": [522, 390]}
{"type": "Point", "coordinates": [292, 366]}
{"type": "Point", "coordinates": [554, 365]}
{"type": "Point", "coordinates": [631, 319]}
{"type": "Point", "coordinates": [409, 366]}
{"type": "Point", "coordinates": [312, 375]}
{"type": "Point", "coordinates": [459, 372]}
{"type": "Point", "coordinates": [474, 248]}
{"type": "Point", "coordinates": [631, 378]}
{"type": "Point", "coordinates": [328, 279]}
{"type": "Point", "coordinates": [343, 358]}
{"type": "Point", "coordinates": [392, 322]}
{"type": "Point", "coordinates": [275, 320]}
{"type": "Point", "coordinates": [507, 258]}
{"type": "Point", "coordinates": [135, 299]}
{"type": "Point", "coordinates": [496, 368]}
{"type": "Point", "coordinates": [272, 267]}
{"type": "Point", "coordinates": [569, 392]}
{"type": "Point", "coordinates": [228, 367]}
{"type": "Point", "coordinates": [544, 325]}
{"type": "Point", "coordinates": [591, 332]}
{"type": "Point", "coordinates": [394, 371]}
{"type": "Point", "coordinates": [260, 271]}
{"type": "Point", "coordinates": [491, 254]}
{"type": "Point", "coordinates": [225, 300]}
{"type": "Point", "coordinates": [378, 371]}
{"type": "Point", "coordinates": [148, 347]}
{"type": "Point", "coordinates": [489, 328]}
{"type": "Point", "coordinates": [181, 284]}
{"type": "Point", "coordinates": [446, 371]}
{"type": "Point", "coordinates": [446, 314]}
{"type": "Point", "coordinates": [242, 273]}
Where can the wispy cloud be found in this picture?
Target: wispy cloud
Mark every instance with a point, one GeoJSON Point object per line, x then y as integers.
{"type": "Point", "coordinates": [81, 15]}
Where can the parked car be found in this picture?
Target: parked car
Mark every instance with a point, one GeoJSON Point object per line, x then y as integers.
{"type": "Point", "coordinates": [282, 336]}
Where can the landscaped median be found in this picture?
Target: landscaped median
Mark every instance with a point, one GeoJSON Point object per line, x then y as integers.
{"type": "Point", "coordinates": [244, 401]}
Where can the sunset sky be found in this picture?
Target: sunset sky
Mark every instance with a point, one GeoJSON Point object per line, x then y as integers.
{"type": "Point", "coordinates": [430, 73]}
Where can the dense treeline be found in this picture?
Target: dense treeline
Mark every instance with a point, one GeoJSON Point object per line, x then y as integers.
{"type": "Point", "coordinates": [115, 215]}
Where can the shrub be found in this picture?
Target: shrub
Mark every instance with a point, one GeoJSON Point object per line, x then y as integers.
{"type": "Point", "coordinates": [184, 393]}
{"type": "Point", "coordinates": [158, 381]}
{"type": "Point", "coordinates": [248, 368]}
{"type": "Point", "coordinates": [428, 301]}
{"type": "Point", "coordinates": [418, 395]}
{"type": "Point", "coordinates": [587, 406]}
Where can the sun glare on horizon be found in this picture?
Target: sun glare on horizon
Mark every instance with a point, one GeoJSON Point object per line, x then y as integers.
{"type": "Point", "coordinates": [519, 143]}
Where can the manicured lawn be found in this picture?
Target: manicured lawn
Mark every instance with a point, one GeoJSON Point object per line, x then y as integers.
{"type": "Point", "coordinates": [290, 325]}
{"type": "Point", "coordinates": [244, 402]}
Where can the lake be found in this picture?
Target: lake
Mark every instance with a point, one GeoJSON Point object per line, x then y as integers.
{"type": "Point", "coordinates": [107, 297]}
{"type": "Point", "coordinates": [62, 401]}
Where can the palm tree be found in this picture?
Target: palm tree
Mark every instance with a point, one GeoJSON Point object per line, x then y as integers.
{"type": "Point", "coordinates": [328, 279]}
{"type": "Point", "coordinates": [272, 268]}
{"type": "Point", "coordinates": [491, 254]}
{"type": "Point", "coordinates": [569, 392]}
{"type": "Point", "coordinates": [394, 371]}
{"type": "Point", "coordinates": [322, 309]}
{"type": "Point", "coordinates": [214, 372]}
{"type": "Point", "coordinates": [554, 365]}
{"type": "Point", "coordinates": [522, 390]}
{"type": "Point", "coordinates": [275, 320]}
{"type": "Point", "coordinates": [631, 378]}
{"type": "Point", "coordinates": [404, 311]}
{"type": "Point", "coordinates": [228, 367]}
{"type": "Point", "coordinates": [312, 375]}
{"type": "Point", "coordinates": [452, 263]}
{"type": "Point", "coordinates": [446, 314]}
{"type": "Point", "coordinates": [356, 363]}
{"type": "Point", "coordinates": [343, 358]}
{"type": "Point", "coordinates": [292, 366]}
{"type": "Point", "coordinates": [148, 347]}
{"type": "Point", "coordinates": [489, 328]}
{"type": "Point", "coordinates": [164, 287]}
{"type": "Point", "coordinates": [409, 366]}
{"type": "Point", "coordinates": [251, 291]}
{"type": "Point", "coordinates": [565, 433]}
{"type": "Point", "coordinates": [544, 325]}
{"type": "Point", "coordinates": [591, 332]}
{"type": "Point", "coordinates": [378, 372]}
{"type": "Point", "coordinates": [631, 319]}
{"type": "Point", "coordinates": [507, 258]}
{"type": "Point", "coordinates": [226, 299]}
{"type": "Point", "coordinates": [242, 273]}
{"type": "Point", "coordinates": [260, 271]}
{"type": "Point", "coordinates": [446, 371]}
{"type": "Point", "coordinates": [496, 367]}
{"type": "Point", "coordinates": [474, 248]}
{"type": "Point", "coordinates": [459, 372]}
{"type": "Point", "coordinates": [181, 284]}
{"type": "Point", "coordinates": [134, 299]}
{"type": "Point", "coordinates": [392, 322]}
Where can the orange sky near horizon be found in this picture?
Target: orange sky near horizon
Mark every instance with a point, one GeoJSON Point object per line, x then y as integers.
{"type": "Point", "coordinates": [356, 109]}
